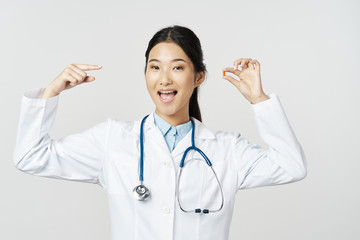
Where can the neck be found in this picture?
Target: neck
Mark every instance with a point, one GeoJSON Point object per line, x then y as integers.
{"type": "Point", "coordinates": [175, 119]}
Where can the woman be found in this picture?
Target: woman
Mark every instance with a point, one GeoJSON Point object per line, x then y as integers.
{"type": "Point", "coordinates": [200, 204]}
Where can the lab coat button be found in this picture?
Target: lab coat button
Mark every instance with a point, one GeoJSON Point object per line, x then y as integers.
{"type": "Point", "coordinates": [166, 210]}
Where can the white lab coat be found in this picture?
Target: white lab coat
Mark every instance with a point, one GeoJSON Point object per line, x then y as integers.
{"type": "Point", "coordinates": [108, 155]}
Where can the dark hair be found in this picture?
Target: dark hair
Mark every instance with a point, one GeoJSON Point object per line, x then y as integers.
{"type": "Point", "coordinates": [190, 44]}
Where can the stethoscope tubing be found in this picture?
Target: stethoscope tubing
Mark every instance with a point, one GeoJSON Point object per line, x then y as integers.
{"type": "Point", "coordinates": [141, 178]}
{"type": "Point", "coordinates": [198, 210]}
{"type": "Point", "coordinates": [141, 192]}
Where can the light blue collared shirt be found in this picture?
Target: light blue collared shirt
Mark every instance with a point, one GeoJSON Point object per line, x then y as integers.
{"type": "Point", "coordinates": [172, 134]}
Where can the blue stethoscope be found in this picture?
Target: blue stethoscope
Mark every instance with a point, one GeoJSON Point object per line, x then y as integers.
{"type": "Point", "coordinates": [142, 193]}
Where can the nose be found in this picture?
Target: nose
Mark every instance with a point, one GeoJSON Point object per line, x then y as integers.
{"type": "Point", "coordinates": [165, 79]}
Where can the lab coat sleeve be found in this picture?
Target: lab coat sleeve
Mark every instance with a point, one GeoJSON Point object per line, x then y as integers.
{"type": "Point", "coordinates": [284, 160]}
{"type": "Point", "coordinates": [76, 157]}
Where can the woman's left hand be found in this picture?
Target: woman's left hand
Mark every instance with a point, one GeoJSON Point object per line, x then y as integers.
{"type": "Point", "coordinates": [249, 83]}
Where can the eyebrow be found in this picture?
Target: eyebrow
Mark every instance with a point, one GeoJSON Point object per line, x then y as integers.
{"type": "Point", "coordinates": [174, 60]}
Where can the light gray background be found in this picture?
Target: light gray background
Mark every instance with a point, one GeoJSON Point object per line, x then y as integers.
{"type": "Point", "coordinates": [309, 55]}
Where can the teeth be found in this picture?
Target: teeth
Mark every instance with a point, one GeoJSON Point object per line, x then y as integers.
{"type": "Point", "coordinates": [167, 92]}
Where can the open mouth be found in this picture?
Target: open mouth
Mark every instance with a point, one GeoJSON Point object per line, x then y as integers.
{"type": "Point", "coordinates": [167, 96]}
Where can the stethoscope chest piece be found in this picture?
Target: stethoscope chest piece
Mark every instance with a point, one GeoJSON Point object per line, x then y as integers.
{"type": "Point", "coordinates": [141, 193]}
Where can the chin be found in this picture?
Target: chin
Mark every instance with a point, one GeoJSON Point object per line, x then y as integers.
{"type": "Point", "coordinates": [166, 112]}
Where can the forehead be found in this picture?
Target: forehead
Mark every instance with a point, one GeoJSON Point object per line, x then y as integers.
{"type": "Point", "coordinates": [167, 51]}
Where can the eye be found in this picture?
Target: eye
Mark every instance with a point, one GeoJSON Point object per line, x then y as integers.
{"type": "Point", "coordinates": [154, 67]}
{"type": "Point", "coordinates": [178, 68]}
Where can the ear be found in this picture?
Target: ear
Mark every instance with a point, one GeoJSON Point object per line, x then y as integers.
{"type": "Point", "coordinates": [199, 78]}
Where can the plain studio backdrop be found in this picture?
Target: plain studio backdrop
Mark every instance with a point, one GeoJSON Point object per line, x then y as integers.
{"type": "Point", "coordinates": [309, 55]}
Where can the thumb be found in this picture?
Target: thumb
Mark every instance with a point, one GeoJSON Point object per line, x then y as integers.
{"type": "Point", "coordinates": [232, 80]}
{"type": "Point", "coordinates": [89, 79]}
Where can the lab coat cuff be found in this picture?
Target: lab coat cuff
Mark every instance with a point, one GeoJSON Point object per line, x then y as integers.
{"type": "Point", "coordinates": [39, 114]}
{"type": "Point", "coordinates": [265, 105]}
{"type": "Point", "coordinates": [33, 98]}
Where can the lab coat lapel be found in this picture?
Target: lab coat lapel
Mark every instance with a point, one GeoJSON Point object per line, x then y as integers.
{"type": "Point", "coordinates": [152, 132]}
{"type": "Point", "coordinates": [201, 133]}
{"type": "Point", "coordinates": [182, 145]}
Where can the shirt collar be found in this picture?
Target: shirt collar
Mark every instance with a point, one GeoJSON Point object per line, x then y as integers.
{"type": "Point", "coordinates": [201, 131]}
{"type": "Point", "coordinates": [164, 126]}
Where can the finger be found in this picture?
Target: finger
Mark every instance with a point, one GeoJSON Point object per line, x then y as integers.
{"type": "Point", "coordinates": [89, 79]}
{"type": "Point", "coordinates": [251, 65]}
{"type": "Point", "coordinates": [75, 74]}
{"type": "Point", "coordinates": [77, 70]}
{"type": "Point", "coordinates": [73, 81]}
{"type": "Point", "coordinates": [86, 67]}
{"type": "Point", "coordinates": [240, 62]}
{"type": "Point", "coordinates": [257, 64]}
{"type": "Point", "coordinates": [245, 63]}
{"type": "Point", "coordinates": [236, 63]}
{"type": "Point", "coordinates": [232, 80]}
{"type": "Point", "coordinates": [231, 70]}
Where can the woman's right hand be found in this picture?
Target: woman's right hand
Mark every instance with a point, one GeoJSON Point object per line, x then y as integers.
{"type": "Point", "coordinates": [71, 76]}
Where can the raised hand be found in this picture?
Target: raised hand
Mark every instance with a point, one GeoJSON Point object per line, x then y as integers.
{"type": "Point", "coordinates": [249, 82]}
{"type": "Point", "coordinates": [71, 76]}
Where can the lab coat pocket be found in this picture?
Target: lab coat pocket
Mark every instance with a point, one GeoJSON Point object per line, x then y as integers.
{"type": "Point", "coordinates": [123, 172]}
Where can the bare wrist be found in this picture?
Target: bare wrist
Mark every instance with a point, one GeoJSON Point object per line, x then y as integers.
{"type": "Point", "coordinates": [48, 93]}
{"type": "Point", "coordinates": [262, 98]}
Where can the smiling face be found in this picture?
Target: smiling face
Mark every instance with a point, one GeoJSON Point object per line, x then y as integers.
{"type": "Point", "coordinates": [170, 80]}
